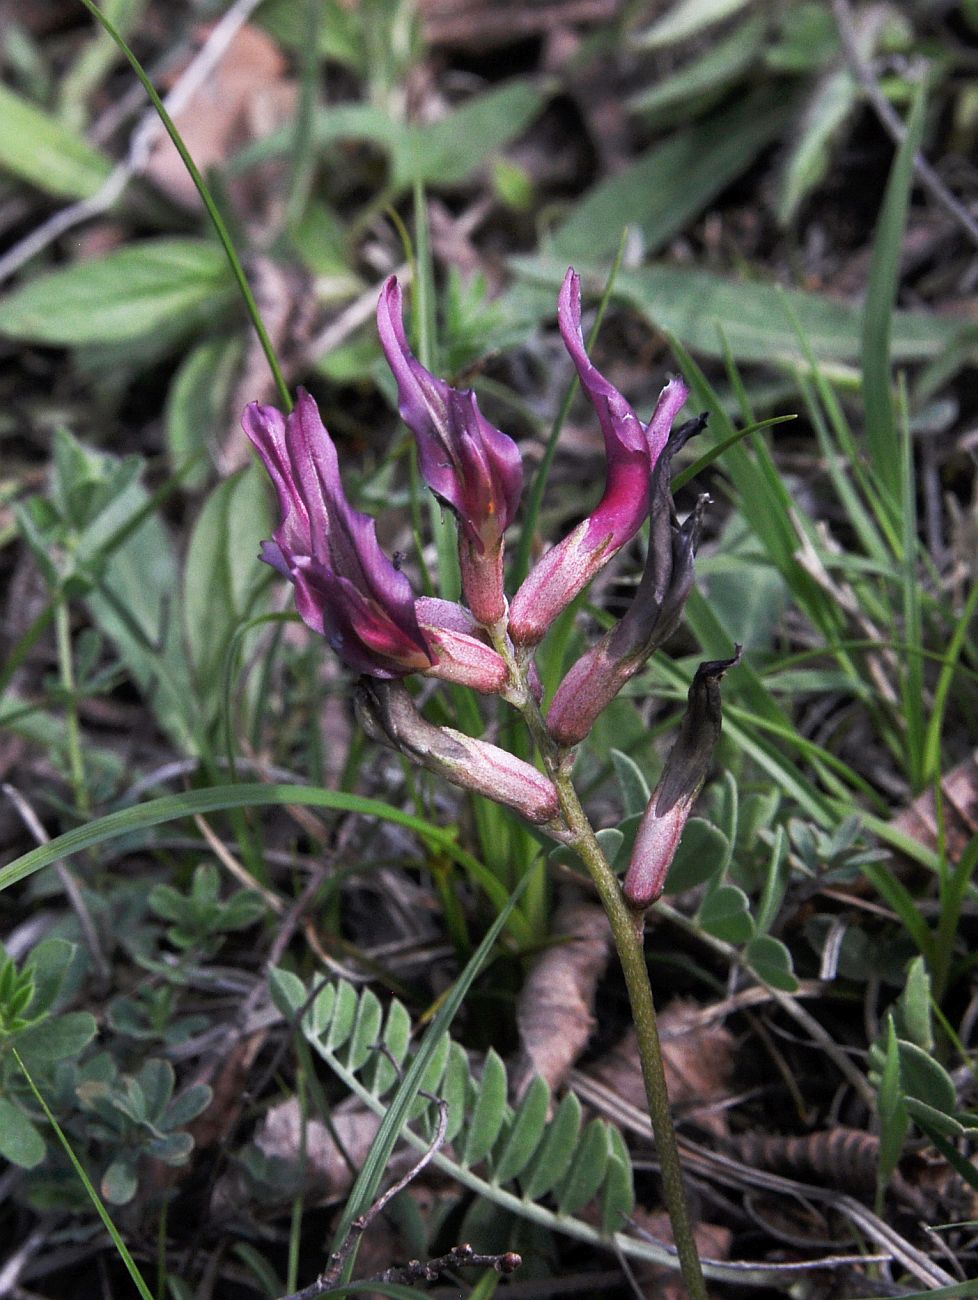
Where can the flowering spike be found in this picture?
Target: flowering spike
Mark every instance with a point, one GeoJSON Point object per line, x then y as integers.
{"type": "Point", "coordinates": [650, 620]}
{"type": "Point", "coordinates": [388, 715]}
{"type": "Point", "coordinates": [469, 465]}
{"type": "Point", "coordinates": [673, 798]}
{"type": "Point", "coordinates": [632, 450]}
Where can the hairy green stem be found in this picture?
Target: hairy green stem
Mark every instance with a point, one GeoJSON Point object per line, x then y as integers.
{"type": "Point", "coordinates": [627, 928]}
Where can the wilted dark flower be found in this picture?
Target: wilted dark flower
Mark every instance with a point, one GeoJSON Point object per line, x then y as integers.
{"type": "Point", "coordinates": [682, 779]}
{"type": "Point", "coordinates": [649, 621]}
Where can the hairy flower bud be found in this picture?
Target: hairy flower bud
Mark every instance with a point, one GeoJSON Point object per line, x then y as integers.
{"type": "Point", "coordinates": [682, 779]}
{"type": "Point", "coordinates": [388, 714]}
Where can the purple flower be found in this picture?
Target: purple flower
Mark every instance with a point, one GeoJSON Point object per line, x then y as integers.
{"type": "Point", "coordinates": [649, 621]}
{"type": "Point", "coordinates": [682, 779]}
{"type": "Point", "coordinates": [632, 451]}
{"type": "Point", "coordinates": [346, 587]}
{"type": "Point", "coordinates": [471, 467]}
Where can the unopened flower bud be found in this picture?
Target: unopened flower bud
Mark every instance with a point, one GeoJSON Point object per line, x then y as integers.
{"type": "Point", "coordinates": [682, 779]}
{"type": "Point", "coordinates": [388, 714]}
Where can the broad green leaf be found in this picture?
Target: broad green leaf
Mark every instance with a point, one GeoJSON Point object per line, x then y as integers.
{"type": "Point", "coordinates": [448, 151]}
{"type": "Point", "coordinates": [344, 1015]}
{"type": "Point", "coordinates": [317, 1019]}
{"type": "Point", "coordinates": [197, 402]}
{"type": "Point", "coordinates": [706, 77]}
{"type": "Point", "coordinates": [431, 1081]}
{"type": "Point", "coordinates": [38, 148]}
{"type": "Point", "coordinates": [455, 1090]}
{"type": "Point", "coordinates": [366, 1031]}
{"type": "Point", "coordinates": [834, 99]}
{"type": "Point", "coordinates": [20, 1141]}
{"type": "Point", "coordinates": [931, 1119]}
{"type": "Point", "coordinates": [771, 960]}
{"type": "Point", "coordinates": [56, 1039]}
{"type": "Point", "coordinates": [696, 305]}
{"type": "Point", "coordinates": [685, 19]}
{"type": "Point", "coordinates": [726, 914]}
{"type": "Point", "coordinates": [587, 1170]}
{"type": "Point", "coordinates": [618, 1192]}
{"type": "Point", "coordinates": [397, 1039]}
{"type": "Point", "coordinates": [445, 152]}
{"type": "Point", "coordinates": [703, 852]}
{"type": "Point", "coordinates": [525, 1134]}
{"type": "Point", "coordinates": [48, 963]}
{"type": "Point", "coordinates": [120, 1181]}
{"type": "Point", "coordinates": [556, 1151]}
{"type": "Point", "coordinates": [168, 286]}
{"type": "Point", "coordinates": [631, 782]}
{"type": "Point", "coordinates": [488, 1112]}
{"type": "Point", "coordinates": [673, 182]}
{"type": "Point", "coordinates": [926, 1079]}
{"type": "Point", "coordinates": [915, 1006]}
{"type": "Point", "coordinates": [617, 1195]}
{"type": "Point", "coordinates": [193, 1101]}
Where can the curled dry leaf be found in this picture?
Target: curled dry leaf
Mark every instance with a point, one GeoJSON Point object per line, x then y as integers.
{"type": "Point", "coordinates": [331, 1163]}
{"type": "Point", "coordinates": [555, 1015]}
{"type": "Point", "coordinates": [698, 1060]}
{"type": "Point", "coordinates": [246, 96]}
{"type": "Point", "coordinates": [712, 1241]}
{"type": "Point", "coordinates": [959, 789]}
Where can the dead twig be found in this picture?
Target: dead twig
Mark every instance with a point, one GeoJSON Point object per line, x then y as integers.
{"type": "Point", "coordinates": [330, 1276]}
{"type": "Point", "coordinates": [892, 124]}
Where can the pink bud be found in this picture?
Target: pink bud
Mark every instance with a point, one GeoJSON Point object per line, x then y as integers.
{"type": "Point", "coordinates": [632, 450]}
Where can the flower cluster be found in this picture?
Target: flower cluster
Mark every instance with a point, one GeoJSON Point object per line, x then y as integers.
{"type": "Point", "coordinates": [348, 590]}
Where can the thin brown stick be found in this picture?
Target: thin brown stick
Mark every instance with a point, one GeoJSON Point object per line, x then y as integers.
{"type": "Point", "coordinates": [892, 124]}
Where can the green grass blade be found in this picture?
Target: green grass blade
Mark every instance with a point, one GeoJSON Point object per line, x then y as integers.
{"type": "Point", "coordinates": [932, 741]}
{"type": "Point", "coordinates": [365, 1188]}
{"type": "Point", "coordinates": [131, 1267]}
{"type": "Point", "coordinates": [884, 277]}
{"type": "Point", "coordinates": [170, 808]}
{"type": "Point", "coordinates": [251, 306]}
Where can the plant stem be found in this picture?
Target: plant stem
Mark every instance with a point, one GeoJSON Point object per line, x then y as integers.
{"type": "Point", "coordinates": [627, 928]}
{"type": "Point", "coordinates": [66, 673]}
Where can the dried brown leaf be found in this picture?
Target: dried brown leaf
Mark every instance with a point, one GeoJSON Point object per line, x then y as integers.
{"type": "Point", "coordinates": [712, 1241]}
{"type": "Point", "coordinates": [247, 95]}
{"type": "Point", "coordinates": [959, 789]}
{"type": "Point", "coordinates": [555, 1014]}
{"type": "Point", "coordinates": [698, 1062]}
{"type": "Point", "coordinates": [332, 1162]}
